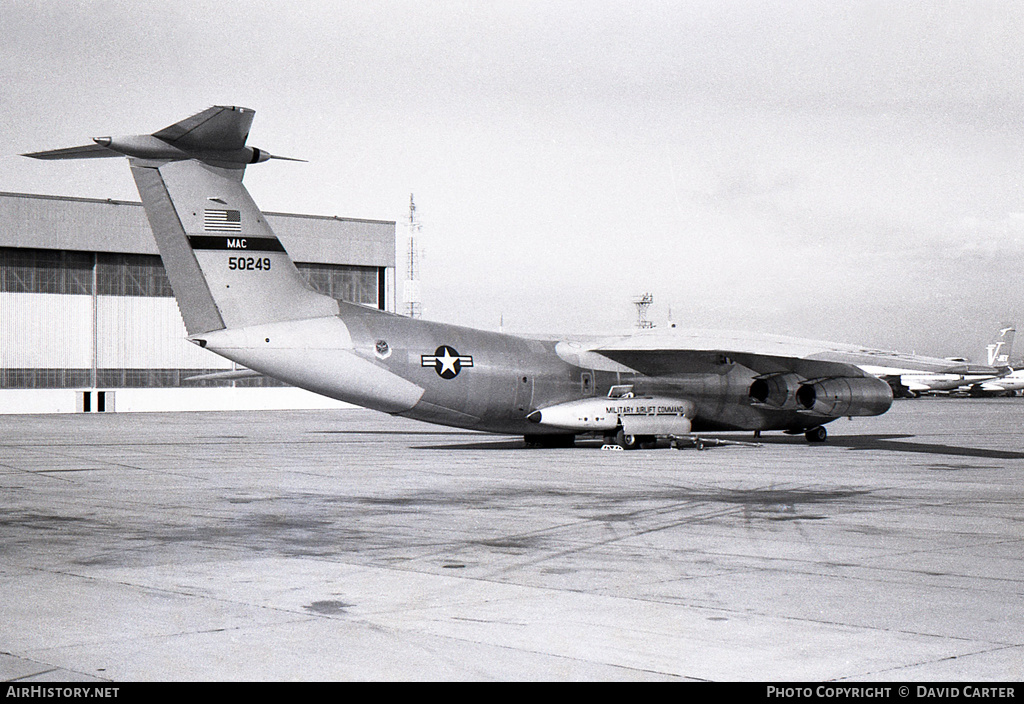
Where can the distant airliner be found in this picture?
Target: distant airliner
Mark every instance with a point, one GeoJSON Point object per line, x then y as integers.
{"type": "Point", "coordinates": [241, 296]}
{"type": "Point", "coordinates": [994, 377]}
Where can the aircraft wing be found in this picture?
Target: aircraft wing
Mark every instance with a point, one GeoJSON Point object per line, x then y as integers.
{"type": "Point", "coordinates": [686, 351]}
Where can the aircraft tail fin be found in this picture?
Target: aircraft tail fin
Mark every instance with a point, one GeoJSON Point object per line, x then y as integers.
{"type": "Point", "coordinates": [1000, 350]}
{"type": "Point", "coordinates": [226, 266]}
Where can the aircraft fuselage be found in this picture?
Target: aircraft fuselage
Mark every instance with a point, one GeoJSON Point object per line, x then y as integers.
{"type": "Point", "coordinates": [476, 379]}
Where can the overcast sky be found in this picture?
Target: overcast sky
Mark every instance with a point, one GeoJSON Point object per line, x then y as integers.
{"type": "Point", "coordinates": [843, 171]}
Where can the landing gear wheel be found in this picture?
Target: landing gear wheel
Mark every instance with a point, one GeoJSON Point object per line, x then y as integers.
{"type": "Point", "coordinates": [627, 442]}
{"type": "Point", "coordinates": [818, 434]}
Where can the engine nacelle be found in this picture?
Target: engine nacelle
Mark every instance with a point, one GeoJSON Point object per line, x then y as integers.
{"type": "Point", "coordinates": [636, 415]}
{"type": "Point", "coordinates": [776, 390]}
{"type": "Point", "coordinates": [845, 396]}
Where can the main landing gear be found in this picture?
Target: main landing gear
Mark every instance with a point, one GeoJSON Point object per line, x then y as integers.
{"type": "Point", "coordinates": [816, 434]}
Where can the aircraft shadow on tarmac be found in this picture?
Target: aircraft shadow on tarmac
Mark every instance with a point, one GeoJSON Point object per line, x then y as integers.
{"type": "Point", "coordinates": [889, 443]}
{"type": "Point", "coordinates": [896, 443]}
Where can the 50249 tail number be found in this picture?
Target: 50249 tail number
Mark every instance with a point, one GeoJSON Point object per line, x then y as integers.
{"type": "Point", "coordinates": [249, 263]}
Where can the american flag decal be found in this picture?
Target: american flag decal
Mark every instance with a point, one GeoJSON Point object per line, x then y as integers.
{"type": "Point", "coordinates": [222, 221]}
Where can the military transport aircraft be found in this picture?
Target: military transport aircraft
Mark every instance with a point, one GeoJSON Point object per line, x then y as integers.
{"type": "Point", "coordinates": [241, 296]}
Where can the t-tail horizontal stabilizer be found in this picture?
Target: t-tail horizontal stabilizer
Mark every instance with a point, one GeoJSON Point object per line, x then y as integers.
{"type": "Point", "coordinates": [216, 136]}
{"type": "Point", "coordinates": [226, 266]}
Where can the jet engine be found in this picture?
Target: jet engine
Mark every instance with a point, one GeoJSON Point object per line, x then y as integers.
{"type": "Point", "coordinates": [845, 396]}
{"type": "Point", "coordinates": [776, 390]}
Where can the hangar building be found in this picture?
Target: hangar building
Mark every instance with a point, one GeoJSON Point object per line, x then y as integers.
{"type": "Point", "coordinates": [88, 321]}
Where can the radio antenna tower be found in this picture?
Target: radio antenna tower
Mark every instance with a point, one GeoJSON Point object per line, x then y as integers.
{"type": "Point", "coordinates": [412, 279]}
{"type": "Point", "coordinates": [642, 303]}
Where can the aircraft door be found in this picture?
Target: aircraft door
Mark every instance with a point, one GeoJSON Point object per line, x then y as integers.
{"type": "Point", "coordinates": [523, 403]}
{"type": "Point", "coordinates": [587, 383]}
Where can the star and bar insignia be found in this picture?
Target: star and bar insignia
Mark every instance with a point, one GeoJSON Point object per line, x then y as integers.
{"type": "Point", "coordinates": [446, 361]}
